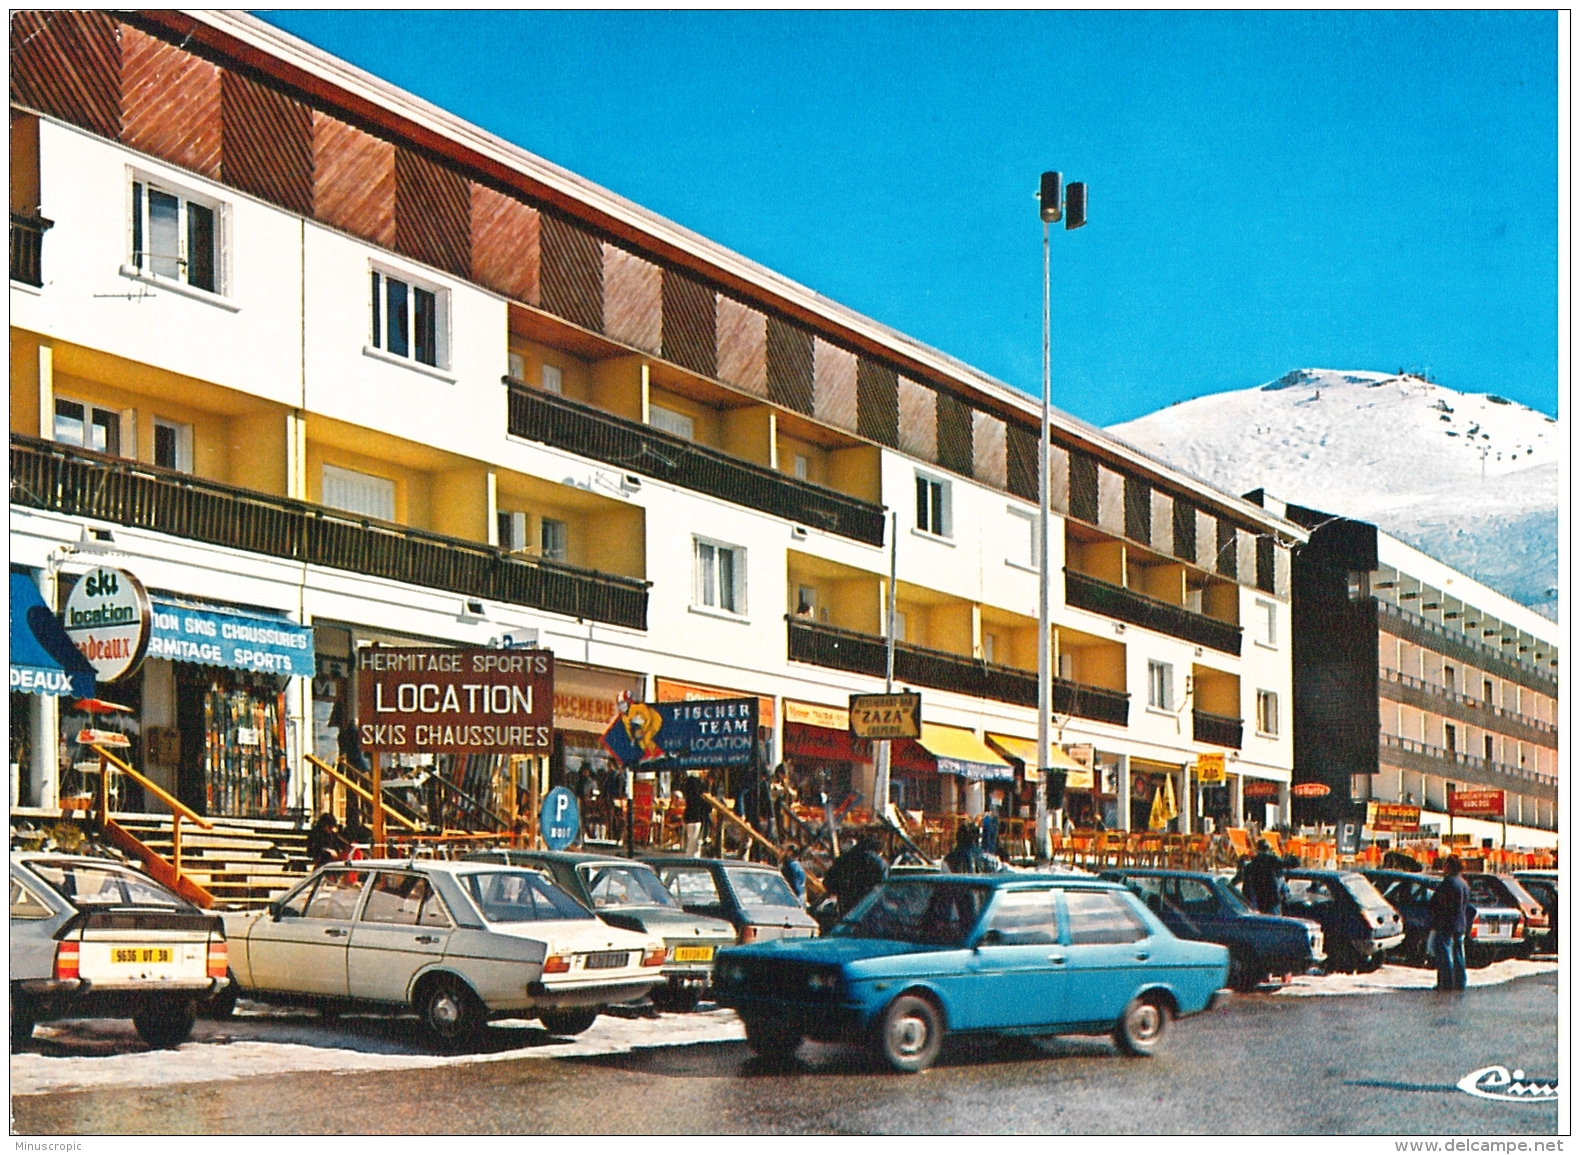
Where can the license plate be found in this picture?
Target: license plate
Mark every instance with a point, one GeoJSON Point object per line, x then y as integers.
{"type": "Point", "coordinates": [605, 960]}
{"type": "Point", "coordinates": [693, 954]}
{"type": "Point", "coordinates": [142, 954]}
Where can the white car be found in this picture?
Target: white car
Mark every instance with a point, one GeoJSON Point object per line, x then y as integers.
{"type": "Point", "coordinates": [458, 942]}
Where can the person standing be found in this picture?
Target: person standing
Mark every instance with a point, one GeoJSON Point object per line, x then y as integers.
{"type": "Point", "coordinates": [855, 873]}
{"type": "Point", "coordinates": [1263, 879]}
{"type": "Point", "coordinates": [967, 856]}
{"type": "Point", "coordinates": [696, 813]}
{"type": "Point", "coordinates": [793, 872]}
{"type": "Point", "coordinates": [1450, 910]}
{"type": "Point", "coordinates": [990, 832]}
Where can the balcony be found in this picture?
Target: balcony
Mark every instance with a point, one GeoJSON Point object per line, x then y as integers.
{"type": "Point", "coordinates": [838, 649]}
{"type": "Point", "coordinates": [27, 249]}
{"type": "Point", "coordinates": [1412, 691]}
{"type": "Point", "coordinates": [1408, 754]}
{"type": "Point", "coordinates": [80, 483]}
{"type": "Point", "coordinates": [1438, 638]}
{"type": "Point", "coordinates": [630, 445]}
{"type": "Point", "coordinates": [1216, 730]}
{"type": "Point", "coordinates": [1126, 605]}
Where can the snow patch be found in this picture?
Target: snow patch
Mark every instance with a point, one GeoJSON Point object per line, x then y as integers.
{"type": "Point", "coordinates": [1400, 978]}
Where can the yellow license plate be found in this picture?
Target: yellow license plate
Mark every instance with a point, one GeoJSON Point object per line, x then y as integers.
{"type": "Point", "coordinates": [693, 954]}
{"type": "Point", "coordinates": [142, 954]}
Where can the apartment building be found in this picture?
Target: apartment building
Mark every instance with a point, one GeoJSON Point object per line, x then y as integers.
{"type": "Point", "coordinates": [1413, 681]}
{"type": "Point", "coordinates": [302, 351]}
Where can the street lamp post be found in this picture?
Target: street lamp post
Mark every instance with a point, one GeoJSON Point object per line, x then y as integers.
{"type": "Point", "coordinates": [1055, 202]}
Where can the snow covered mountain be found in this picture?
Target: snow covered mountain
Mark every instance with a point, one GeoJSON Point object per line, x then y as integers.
{"type": "Point", "coordinates": [1471, 479]}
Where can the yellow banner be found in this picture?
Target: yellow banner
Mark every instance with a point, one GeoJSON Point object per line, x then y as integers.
{"type": "Point", "coordinates": [1210, 769]}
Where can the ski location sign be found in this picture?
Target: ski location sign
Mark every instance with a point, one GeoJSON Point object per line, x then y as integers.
{"type": "Point", "coordinates": [476, 701]}
{"type": "Point", "coordinates": [107, 617]}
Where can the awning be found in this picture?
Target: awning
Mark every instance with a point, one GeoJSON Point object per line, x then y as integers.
{"type": "Point", "coordinates": [184, 632]}
{"type": "Point", "coordinates": [1024, 750]}
{"type": "Point", "coordinates": [43, 658]}
{"type": "Point", "coordinates": [962, 752]}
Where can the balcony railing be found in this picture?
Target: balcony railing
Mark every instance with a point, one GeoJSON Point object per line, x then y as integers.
{"type": "Point", "coordinates": [858, 653]}
{"type": "Point", "coordinates": [630, 445]}
{"type": "Point", "coordinates": [27, 248]}
{"type": "Point", "coordinates": [1477, 711]}
{"type": "Point", "coordinates": [1435, 636]}
{"type": "Point", "coordinates": [1216, 730]}
{"type": "Point", "coordinates": [1412, 755]}
{"type": "Point", "coordinates": [80, 483]}
{"type": "Point", "coordinates": [1088, 593]}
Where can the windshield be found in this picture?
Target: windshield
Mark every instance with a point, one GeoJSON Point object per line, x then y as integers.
{"type": "Point", "coordinates": [520, 896]}
{"type": "Point", "coordinates": [622, 884]}
{"type": "Point", "coordinates": [88, 884]}
{"type": "Point", "coordinates": [760, 888]}
{"type": "Point", "coordinates": [1363, 892]}
{"type": "Point", "coordinates": [940, 914]}
{"type": "Point", "coordinates": [1232, 899]}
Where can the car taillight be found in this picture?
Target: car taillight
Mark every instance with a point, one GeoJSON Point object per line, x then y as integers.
{"type": "Point", "coordinates": [748, 934]}
{"type": "Point", "coordinates": [654, 957]}
{"type": "Point", "coordinates": [68, 957]}
{"type": "Point", "coordinates": [1519, 928]}
{"type": "Point", "coordinates": [1473, 928]}
{"type": "Point", "coordinates": [556, 964]}
{"type": "Point", "coordinates": [218, 958]}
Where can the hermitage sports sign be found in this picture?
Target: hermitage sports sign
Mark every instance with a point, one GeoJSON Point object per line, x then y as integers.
{"type": "Point", "coordinates": [430, 701]}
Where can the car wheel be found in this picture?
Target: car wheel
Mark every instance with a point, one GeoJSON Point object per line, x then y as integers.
{"type": "Point", "coordinates": [24, 1017]}
{"type": "Point", "coordinates": [910, 1033]}
{"type": "Point", "coordinates": [223, 1005]}
{"type": "Point", "coordinates": [1244, 976]}
{"type": "Point", "coordinates": [1141, 1028]}
{"type": "Point", "coordinates": [1368, 964]}
{"type": "Point", "coordinates": [771, 1040]}
{"type": "Point", "coordinates": [571, 1022]}
{"type": "Point", "coordinates": [679, 999]}
{"type": "Point", "coordinates": [1478, 958]}
{"type": "Point", "coordinates": [450, 1014]}
{"type": "Point", "coordinates": [1341, 960]}
{"type": "Point", "coordinates": [164, 1025]}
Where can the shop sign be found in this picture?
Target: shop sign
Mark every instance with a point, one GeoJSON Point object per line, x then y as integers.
{"type": "Point", "coordinates": [1392, 816]}
{"type": "Point", "coordinates": [1259, 788]}
{"type": "Point", "coordinates": [823, 717]}
{"type": "Point", "coordinates": [559, 818]}
{"type": "Point", "coordinates": [1210, 769]}
{"type": "Point", "coordinates": [879, 716]}
{"type": "Point", "coordinates": [241, 642]}
{"type": "Point", "coordinates": [588, 700]}
{"type": "Point", "coordinates": [107, 618]}
{"type": "Point", "coordinates": [1311, 790]}
{"type": "Point", "coordinates": [684, 735]}
{"type": "Point", "coordinates": [1084, 755]}
{"type": "Point", "coordinates": [669, 690]}
{"type": "Point", "coordinates": [1476, 803]}
{"type": "Point", "coordinates": [805, 741]}
{"type": "Point", "coordinates": [475, 701]}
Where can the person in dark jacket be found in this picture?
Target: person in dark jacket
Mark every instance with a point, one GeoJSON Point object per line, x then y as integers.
{"type": "Point", "coordinates": [793, 872]}
{"type": "Point", "coordinates": [1450, 910]}
{"type": "Point", "coordinates": [990, 832]}
{"type": "Point", "coordinates": [692, 789]}
{"type": "Point", "coordinates": [967, 856]}
{"type": "Point", "coordinates": [855, 874]}
{"type": "Point", "coordinates": [324, 841]}
{"type": "Point", "coordinates": [1263, 879]}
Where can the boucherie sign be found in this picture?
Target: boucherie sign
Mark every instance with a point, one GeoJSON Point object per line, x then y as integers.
{"type": "Point", "coordinates": [427, 701]}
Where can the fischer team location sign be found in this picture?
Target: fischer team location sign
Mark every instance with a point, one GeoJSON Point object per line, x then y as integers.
{"type": "Point", "coordinates": [431, 701]}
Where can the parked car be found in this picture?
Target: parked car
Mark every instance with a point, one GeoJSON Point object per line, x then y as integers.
{"type": "Point", "coordinates": [752, 898]}
{"type": "Point", "coordinates": [1542, 885]}
{"type": "Point", "coordinates": [1204, 908]}
{"type": "Point", "coordinates": [628, 894]}
{"type": "Point", "coordinates": [457, 942]}
{"type": "Point", "coordinates": [1358, 924]}
{"type": "Point", "coordinates": [1512, 892]}
{"type": "Point", "coordinates": [1011, 953]}
{"type": "Point", "coordinates": [1495, 931]}
{"type": "Point", "coordinates": [93, 938]}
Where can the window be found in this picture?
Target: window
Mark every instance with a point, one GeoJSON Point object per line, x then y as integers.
{"type": "Point", "coordinates": [409, 320]}
{"type": "Point", "coordinates": [512, 530]}
{"type": "Point", "coordinates": [989, 647]}
{"type": "Point", "coordinates": [720, 576]}
{"type": "Point", "coordinates": [1024, 918]}
{"type": "Point", "coordinates": [1160, 685]}
{"type": "Point", "coordinates": [553, 381]}
{"type": "Point", "coordinates": [396, 899]}
{"type": "Point", "coordinates": [692, 887]}
{"type": "Point", "coordinates": [800, 466]}
{"type": "Point", "coordinates": [899, 625]}
{"type": "Point", "coordinates": [520, 896]}
{"type": "Point", "coordinates": [1066, 668]}
{"type": "Point", "coordinates": [1486, 747]}
{"type": "Point", "coordinates": [359, 492]}
{"type": "Point", "coordinates": [1450, 737]}
{"type": "Point", "coordinates": [173, 445]}
{"type": "Point", "coordinates": [932, 505]}
{"type": "Point", "coordinates": [1023, 539]}
{"type": "Point", "coordinates": [175, 235]}
{"type": "Point", "coordinates": [518, 367]}
{"type": "Point", "coordinates": [1269, 623]}
{"type": "Point", "coordinates": [1267, 712]}
{"type": "Point", "coordinates": [78, 423]}
{"type": "Point", "coordinates": [1101, 917]}
{"type": "Point", "coordinates": [1486, 691]}
{"type": "Point", "coordinates": [551, 538]}
{"type": "Point", "coordinates": [337, 894]}
{"type": "Point", "coordinates": [26, 904]}
{"type": "Point", "coordinates": [1448, 678]}
{"type": "Point", "coordinates": [671, 422]}
{"type": "Point", "coordinates": [805, 601]}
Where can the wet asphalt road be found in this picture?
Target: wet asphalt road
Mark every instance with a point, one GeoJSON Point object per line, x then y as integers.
{"type": "Point", "coordinates": [1260, 1064]}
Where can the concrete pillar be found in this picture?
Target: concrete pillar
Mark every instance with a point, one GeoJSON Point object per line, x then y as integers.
{"type": "Point", "coordinates": [1122, 788]}
{"type": "Point", "coordinates": [44, 784]}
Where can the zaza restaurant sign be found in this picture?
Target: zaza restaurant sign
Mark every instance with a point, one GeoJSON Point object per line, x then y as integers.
{"type": "Point", "coordinates": [432, 701]}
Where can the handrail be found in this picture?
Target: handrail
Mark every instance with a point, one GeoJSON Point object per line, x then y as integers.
{"type": "Point", "coordinates": [736, 820]}
{"type": "Point", "coordinates": [451, 786]}
{"type": "Point", "coordinates": [365, 794]}
{"type": "Point", "coordinates": [1412, 682]}
{"type": "Point", "coordinates": [176, 806]}
{"type": "Point", "coordinates": [1474, 646]}
{"type": "Point", "coordinates": [1456, 757]}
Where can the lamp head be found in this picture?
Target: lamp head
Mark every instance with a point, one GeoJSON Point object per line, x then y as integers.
{"type": "Point", "coordinates": [1051, 194]}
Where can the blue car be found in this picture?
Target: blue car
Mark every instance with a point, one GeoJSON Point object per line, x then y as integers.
{"type": "Point", "coordinates": [1008, 954]}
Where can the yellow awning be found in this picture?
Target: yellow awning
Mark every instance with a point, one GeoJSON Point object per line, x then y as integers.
{"type": "Point", "coordinates": [962, 752]}
{"type": "Point", "coordinates": [1025, 749]}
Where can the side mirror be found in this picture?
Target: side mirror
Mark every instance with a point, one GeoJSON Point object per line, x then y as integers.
{"type": "Point", "coordinates": [274, 910]}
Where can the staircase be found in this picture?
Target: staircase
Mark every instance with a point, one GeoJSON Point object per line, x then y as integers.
{"type": "Point", "coordinates": [242, 862]}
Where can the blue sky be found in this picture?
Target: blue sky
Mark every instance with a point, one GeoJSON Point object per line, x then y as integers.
{"type": "Point", "coordinates": [1268, 190]}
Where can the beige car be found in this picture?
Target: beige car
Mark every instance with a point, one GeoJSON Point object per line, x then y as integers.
{"type": "Point", "coordinates": [458, 942]}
